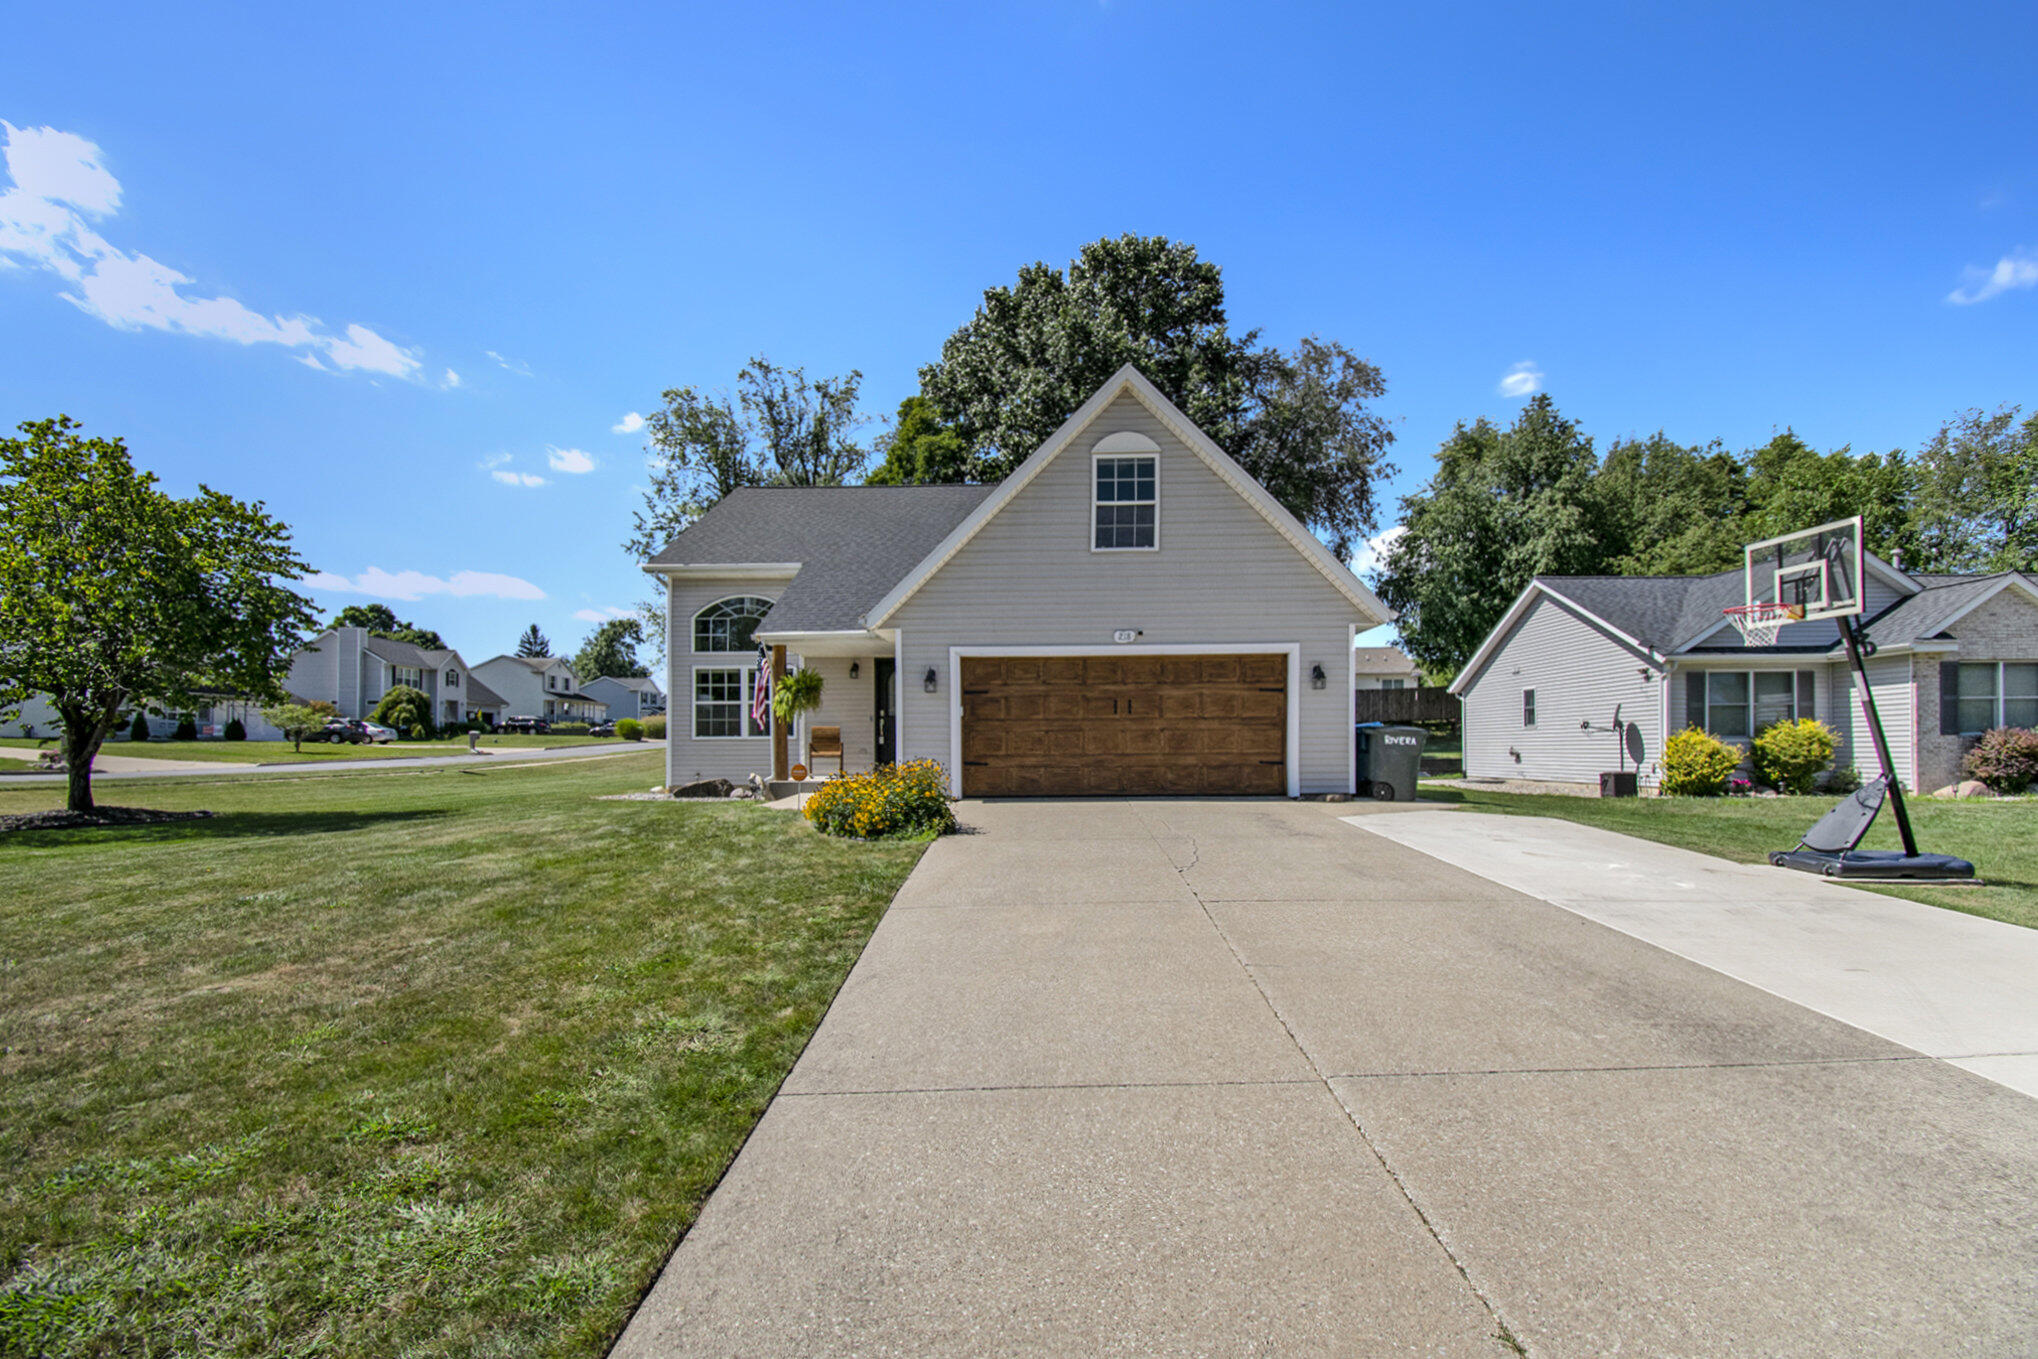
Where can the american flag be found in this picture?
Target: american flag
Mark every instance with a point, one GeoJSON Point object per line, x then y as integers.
{"type": "Point", "coordinates": [760, 692]}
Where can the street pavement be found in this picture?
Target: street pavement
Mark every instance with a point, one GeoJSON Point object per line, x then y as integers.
{"type": "Point", "coordinates": [1231, 1078]}
{"type": "Point", "coordinates": [136, 767]}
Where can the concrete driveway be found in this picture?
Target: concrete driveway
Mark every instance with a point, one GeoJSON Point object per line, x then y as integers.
{"type": "Point", "coordinates": [1238, 1078]}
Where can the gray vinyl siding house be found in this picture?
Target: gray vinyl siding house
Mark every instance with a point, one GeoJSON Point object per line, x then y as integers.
{"type": "Point", "coordinates": [1574, 654]}
{"type": "Point", "coordinates": [635, 696]}
{"type": "Point", "coordinates": [913, 587]}
{"type": "Point", "coordinates": [352, 669]}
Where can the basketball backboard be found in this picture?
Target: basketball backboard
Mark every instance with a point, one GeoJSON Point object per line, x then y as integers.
{"type": "Point", "coordinates": [1813, 573]}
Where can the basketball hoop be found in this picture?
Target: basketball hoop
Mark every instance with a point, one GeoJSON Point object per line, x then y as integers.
{"type": "Point", "coordinates": [1759, 623]}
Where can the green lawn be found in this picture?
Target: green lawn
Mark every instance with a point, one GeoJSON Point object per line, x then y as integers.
{"type": "Point", "coordinates": [396, 1062]}
{"type": "Point", "coordinates": [281, 752]}
{"type": "Point", "coordinates": [1999, 838]}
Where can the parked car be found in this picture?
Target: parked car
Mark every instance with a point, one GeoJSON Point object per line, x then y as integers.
{"type": "Point", "coordinates": [525, 726]}
{"type": "Point", "coordinates": [378, 733]}
{"type": "Point", "coordinates": [602, 729]}
{"type": "Point", "coordinates": [342, 731]}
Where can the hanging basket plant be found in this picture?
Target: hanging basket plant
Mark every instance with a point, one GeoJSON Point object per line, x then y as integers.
{"type": "Point", "coordinates": [798, 692]}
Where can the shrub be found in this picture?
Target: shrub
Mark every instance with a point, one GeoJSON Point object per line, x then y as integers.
{"type": "Point", "coordinates": [187, 730]}
{"type": "Point", "coordinates": [569, 728]}
{"type": "Point", "coordinates": [654, 727]}
{"type": "Point", "coordinates": [139, 730]}
{"type": "Point", "coordinates": [1697, 764]}
{"type": "Point", "coordinates": [1790, 756]}
{"type": "Point", "coordinates": [630, 729]}
{"type": "Point", "coordinates": [420, 732]}
{"type": "Point", "coordinates": [903, 799]}
{"type": "Point", "coordinates": [2005, 759]}
{"type": "Point", "coordinates": [235, 730]}
{"type": "Point", "coordinates": [403, 709]}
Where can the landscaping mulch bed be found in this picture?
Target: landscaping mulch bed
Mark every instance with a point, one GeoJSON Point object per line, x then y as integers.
{"type": "Point", "coordinates": [59, 819]}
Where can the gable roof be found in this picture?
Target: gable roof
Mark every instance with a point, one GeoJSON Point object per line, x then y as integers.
{"type": "Point", "coordinates": [1130, 379]}
{"type": "Point", "coordinates": [843, 546]}
{"type": "Point", "coordinates": [403, 653]}
{"type": "Point", "coordinates": [642, 684]}
{"type": "Point", "coordinates": [480, 695]}
{"type": "Point", "coordinates": [1381, 660]}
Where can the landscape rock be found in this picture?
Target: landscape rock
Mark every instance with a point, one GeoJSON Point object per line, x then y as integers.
{"type": "Point", "coordinates": [1966, 788]}
{"type": "Point", "coordinates": [716, 788]}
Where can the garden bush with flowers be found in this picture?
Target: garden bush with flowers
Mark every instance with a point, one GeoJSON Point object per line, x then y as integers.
{"type": "Point", "coordinates": [903, 799]}
{"type": "Point", "coordinates": [1697, 764]}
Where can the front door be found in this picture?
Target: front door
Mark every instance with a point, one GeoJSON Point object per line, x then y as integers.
{"type": "Point", "coordinates": [882, 720]}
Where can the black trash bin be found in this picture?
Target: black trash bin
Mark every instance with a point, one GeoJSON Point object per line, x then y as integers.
{"type": "Point", "coordinates": [1390, 761]}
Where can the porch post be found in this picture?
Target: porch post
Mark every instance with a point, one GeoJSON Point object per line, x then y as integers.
{"type": "Point", "coordinates": [781, 767]}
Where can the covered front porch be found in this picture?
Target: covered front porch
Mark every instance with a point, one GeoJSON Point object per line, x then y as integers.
{"type": "Point", "coordinates": [859, 701]}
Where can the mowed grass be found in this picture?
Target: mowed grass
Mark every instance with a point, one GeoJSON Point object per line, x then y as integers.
{"type": "Point", "coordinates": [398, 1062]}
{"type": "Point", "coordinates": [281, 752]}
{"type": "Point", "coordinates": [1999, 838]}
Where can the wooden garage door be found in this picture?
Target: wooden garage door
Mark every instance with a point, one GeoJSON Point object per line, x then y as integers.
{"type": "Point", "coordinates": [1062, 725]}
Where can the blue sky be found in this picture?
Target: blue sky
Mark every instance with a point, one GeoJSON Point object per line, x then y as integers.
{"type": "Point", "coordinates": [261, 252]}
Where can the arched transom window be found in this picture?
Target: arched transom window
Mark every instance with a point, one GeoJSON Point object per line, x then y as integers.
{"type": "Point", "coordinates": [729, 624]}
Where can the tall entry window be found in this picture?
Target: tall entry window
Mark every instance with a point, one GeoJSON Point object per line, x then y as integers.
{"type": "Point", "coordinates": [1127, 504]}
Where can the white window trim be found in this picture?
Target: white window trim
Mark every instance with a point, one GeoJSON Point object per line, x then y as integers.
{"type": "Point", "coordinates": [693, 626]}
{"type": "Point", "coordinates": [2002, 697]}
{"type": "Point", "coordinates": [1529, 712]}
{"type": "Point", "coordinates": [747, 685]}
{"type": "Point", "coordinates": [1095, 503]}
{"type": "Point", "coordinates": [1292, 650]}
{"type": "Point", "coordinates": [1749, 674]}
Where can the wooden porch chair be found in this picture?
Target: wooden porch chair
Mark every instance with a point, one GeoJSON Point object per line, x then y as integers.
{"type": "Point", "coordinates": [824, 742]}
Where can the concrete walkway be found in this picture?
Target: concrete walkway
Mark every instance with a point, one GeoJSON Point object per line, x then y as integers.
{"type": "Point", "coordinates": [1236, 1078]}
{"type": "Point", "coordinates": [1953, 986]}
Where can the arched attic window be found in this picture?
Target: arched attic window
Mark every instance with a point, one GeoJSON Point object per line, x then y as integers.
{"type": "Point", "coordinates": [1125, 504]}
{"type": "Point", "coordinates": [729, 624]}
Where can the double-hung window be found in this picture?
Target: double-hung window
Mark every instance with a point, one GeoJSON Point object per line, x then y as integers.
{"type": "Point", "coordinates": [1393, 684]}
{"type": "Point", "coordinates": [1997, 694]}
{"type": "Point", "coordinates": [1737, 705]}
{"type": "Point", "coordinates": [452, 679]}
{"type": "Point", "coordinates": [1528, 707]}
{"type": "Point", "coordinates": [1126, 505]}
{"type": "Point", "coordinates": [411, 675]}
{"type": "Point", "coordinates": [721, 703]}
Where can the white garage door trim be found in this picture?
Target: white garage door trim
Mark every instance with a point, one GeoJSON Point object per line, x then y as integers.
{"type": "Point", "coordinates": [1291, 650]}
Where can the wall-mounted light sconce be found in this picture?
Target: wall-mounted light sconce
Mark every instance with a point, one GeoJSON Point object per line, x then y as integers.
{"type": "Point", "coordinates": [929, 682]}
{"type": "Point", "coordinates": [1317, 679]}
{"type": "Point", "coordinates": [854, 666]}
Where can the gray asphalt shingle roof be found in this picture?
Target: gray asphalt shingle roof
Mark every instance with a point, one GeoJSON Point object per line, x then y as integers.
{"type": "Point", "coordinates": [853, 543]}
{"type": "Point", "coordinates": [1663, 612]}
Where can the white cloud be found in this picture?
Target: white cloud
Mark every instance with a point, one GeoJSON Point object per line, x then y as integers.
{"type": "Point", "coordinates": [413, 585]}
{"type": "Point", "coordinates": [452, 379]}
{"type": "Point", "coordinates": [570, 460]}
{"type": "Point", "coordinates": [629, 424]}
{"type": "Point", "coordinates": [517, 478]}
{"type": "Point", "coordinates": [1521, 380]}
{"type": "Point", "coordinates": [510, 365]}
{"type": "Point", "coordinates": [1373, 554]}
{"type": "Point", "coordinates": [60, 181]}
{"type": "Point", "coordinates": [2018, 269]}
{"type": "Point", "coordinates": [607, 613]}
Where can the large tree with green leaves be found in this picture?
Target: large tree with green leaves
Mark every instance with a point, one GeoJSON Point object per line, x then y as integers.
{"type": "Point", "coordinates": [381, 620]}
{"type": "Point", "coordinates": [1036, 350]}
{"type": "Point", "coordinates": [1504, 506]}
{"type": "Point", "coordinates": [1793, 486]}
{"type": "Point", "coordinates": [919, 449]}
{"type": "Point", "coordinates": [1670, 509]}
{"type": "Point", "coordinates": [1977, 495]}
{"type": "Point", "coordinates": [113, 592]}
{"type": "Point", "coordinates": [781, 428]}
{"type": "Point", "coordinates": [611, 650]}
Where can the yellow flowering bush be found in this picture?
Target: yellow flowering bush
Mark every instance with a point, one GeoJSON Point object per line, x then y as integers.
{"type": "Point", "coordinates": [902, 799]}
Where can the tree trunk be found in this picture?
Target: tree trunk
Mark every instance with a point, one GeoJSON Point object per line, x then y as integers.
{"type": "Point", "coordinates": [85, 731]}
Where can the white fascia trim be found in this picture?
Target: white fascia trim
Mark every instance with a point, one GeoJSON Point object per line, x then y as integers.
{"type": "Point", "coordinates": [728, 570]}
{"type": "Point", "coordinates": [1513, 616]}
{"type": "Point", "coordinates": [1292, 650]}
{"type": "Point", "coordinates": [770, 638]}
{"type": "Point", "coordinates": [1131, 379]}
{"type": "Point", "coordinates": [1352, 709]}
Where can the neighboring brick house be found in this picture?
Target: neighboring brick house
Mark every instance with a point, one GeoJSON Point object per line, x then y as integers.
{"type": "Point", "coordinates": [635, 696]}
{"type": "Point", "coordinates": [1954, 656]}
{"type": "Point", "coordinates": [352, 669]}
{"type": "Point", "coordinates": [540, 686]}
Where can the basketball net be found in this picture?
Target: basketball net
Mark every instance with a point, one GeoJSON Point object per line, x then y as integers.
{"type": "Point", "coordinates": [1759, 623]}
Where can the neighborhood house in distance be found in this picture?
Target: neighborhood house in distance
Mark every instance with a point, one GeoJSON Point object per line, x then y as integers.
{"type": "Point", "coordinates": [1955, 656]}
{"type": "Point", "coordinates": [352, 669]}
{"type": "Point", "coordinates": [540, 686]}
{"type": "Point", "coordinates": [1128, 612]}
{"type": "Point", "coordinates": [635, 696]}
{"type": "Point", "coordinates": [1384, 667]}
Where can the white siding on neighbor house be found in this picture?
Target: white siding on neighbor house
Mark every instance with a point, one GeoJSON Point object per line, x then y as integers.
{"type": "Point", "coordinates": [1222, 575]}
{"type": "Point", "coordinates": [1580, 674]}
{"type": "Point", "coordinates": [734, 758]}
{"type": "Point", "coordinates": [1896, 702]}
{"type": "Point", "coordinates": [315, 673]}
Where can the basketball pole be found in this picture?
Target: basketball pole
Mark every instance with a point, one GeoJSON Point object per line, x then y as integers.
{"type": "Point", "coordinates": [1849, 631]}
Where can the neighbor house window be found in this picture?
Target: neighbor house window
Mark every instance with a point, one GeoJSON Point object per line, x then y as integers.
{"type": "Point", "coordinates": [1393, 684]}
{"type": "Point", "coordinates": [452, 679]}
{"type": "Point", "coordinates": [1528, 707]}
{"type": "Point", "coordinates": [1738, 705]}
{"type": "Point", "coordinates": [729, 624]}
{"type": "Point", "coordinates": [721, 704]}
{"type": "Point", "coordinates": [1997, 694]}
{"type": "Point", "coordinates": [1126, 505]}
{"type": "Point", "coordinates": [412, 675]}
